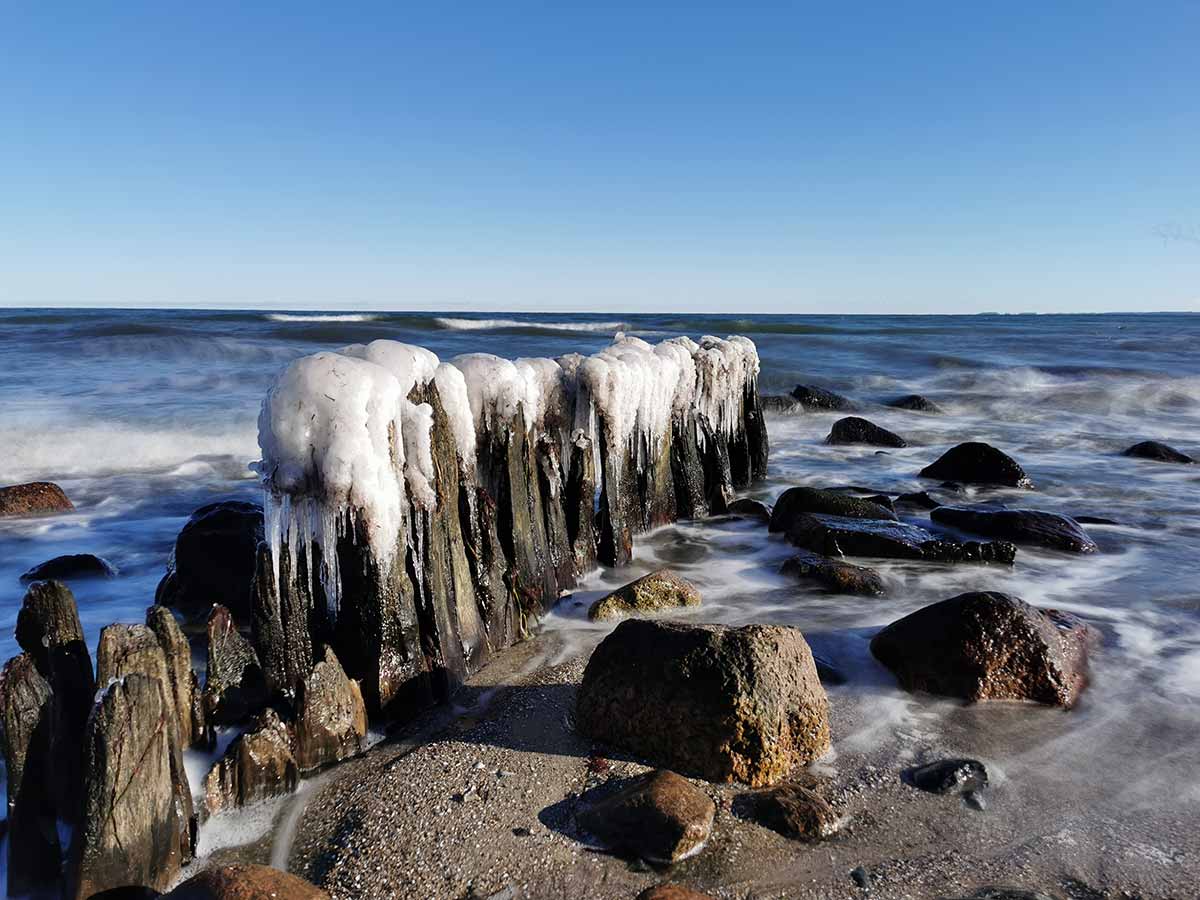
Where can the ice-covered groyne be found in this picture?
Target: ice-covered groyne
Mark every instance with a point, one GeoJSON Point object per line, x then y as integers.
{"type": "Point", "coordinates": [422, 514]}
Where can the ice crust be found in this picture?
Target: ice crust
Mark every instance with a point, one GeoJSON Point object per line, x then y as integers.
{"type": "Point", "coordinates": [339, 433]}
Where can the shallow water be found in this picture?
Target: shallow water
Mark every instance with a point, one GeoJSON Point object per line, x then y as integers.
{"type": "Point", "coordinates": [143, 416]}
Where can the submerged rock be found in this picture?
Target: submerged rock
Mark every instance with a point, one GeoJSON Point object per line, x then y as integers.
{"type": "Point", "coordinates": [855, 430]}
{"type": "Point", "coordinates": [837, 577]}
{"type": "Point", "coordinates": [213, 560]}
{"type": "Point", "coordinates": [794, 502]}
{"type": "Point", "coordinates": [659, 816]}
{"type": "Point", "coordinates": [33, 498]}
{"type": "Point", "coordinates": [78, 565]}
{"type": "Point", "coordinates": [26, 722]}
{"type": "Point", "coordinates": [947, 776]}
{"type": "Point", "coordinates": [919, 499]}
{"type": "Point", "coordinates": [977, 463]}
{"type": "Point", "coordinates": [131, 829]}
{"type": "Point", "coordinates": [725, 704]}
{"type": "Point", "coordinates": [1023, 526]}
{"type": "Point", "coordinates": [1159, 452]}
{"type": "Point", "coordinates": [750, 509]}
{"type": "Point", "coordinates": [234, 685]}
{"type": "Point", "coordinates": [185, 688]}
{"type": "Point", "coordinates": [812, 397]}
{"type": "Point", "coordinates": [841, 536]}
{"type": "Point", "coordinates": [988, 646]}
{"type": "Point", "coordinates": [781, 405]}
{"type": "Point", "coordinates": [915, 402]}
{"type": "Point", "coordinates": [661, 589]}
{"type": "Point", "coordinates": [244, 881]}
{"type": "Point", "coordinates": [259, 764]}
{"type": "Point", "coordinates": [331, 718]}
{"type": "Point", "coordinates": [669, 890]}
{"type": "Point", "coordinates": [794, 811]}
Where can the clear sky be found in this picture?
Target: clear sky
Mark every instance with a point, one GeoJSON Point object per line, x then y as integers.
{"type": "Point", "coordinates": [890, 157]}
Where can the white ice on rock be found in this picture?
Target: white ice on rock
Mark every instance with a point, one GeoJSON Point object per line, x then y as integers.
{"type": "Point", "coordinates": [339, 433]}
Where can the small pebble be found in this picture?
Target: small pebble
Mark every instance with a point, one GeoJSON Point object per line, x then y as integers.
{"type": "Point", "coordinates": [862, 878]}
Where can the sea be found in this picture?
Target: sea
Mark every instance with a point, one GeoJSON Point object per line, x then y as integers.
{"type": "Point", "coordinates": [144, 415]}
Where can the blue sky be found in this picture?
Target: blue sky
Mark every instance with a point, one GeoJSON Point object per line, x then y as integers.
{"type": "Point", "coordinates": [919, 157]}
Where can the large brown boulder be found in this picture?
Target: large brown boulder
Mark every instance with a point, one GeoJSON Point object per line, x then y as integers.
{"type": "Point", "coordinates": [258, 765]}
{"type": "Point", "coordinates": [132, 829]}
{"type": "Point", "coordinates": [185, 688]}
{"type": "Point", "coordinates": [331, 718]}
{"type": "Point", "coordinates": [978, 463]}
{"type": "Point", "coordinates": [795, 811]}
{"type": "Point", "coordinates": [213, 560]}
{"type": "Point", "coordinates": [988, 646]}
{"type": "Point", "coordinates": [33, 498]}
{"type": "Point", "coordinates": [725, 704]}
{"type": "Point", "coordinates": [243, 881]}
{"type": "Point", "coordinates": [234, 685]}
{"type": "Point", "coordinates": [659, 816]}
{"type": "Point", "coordinates": [26, 719]}
{"type": "Point", "coordinates": [48, 629]}
{"type": "Point", "coordinates": [661, 589]}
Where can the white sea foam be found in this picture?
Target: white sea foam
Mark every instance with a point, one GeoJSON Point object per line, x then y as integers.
{"type": "Point", "coordinates": [327, 317]}
{"type": "Point", "coordinates": [494, 324]}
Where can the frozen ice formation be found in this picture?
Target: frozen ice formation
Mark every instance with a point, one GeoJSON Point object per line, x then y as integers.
{"type": "Point", "coordinates": [428, 511]}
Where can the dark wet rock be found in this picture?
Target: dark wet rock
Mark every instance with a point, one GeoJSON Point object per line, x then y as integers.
{"type": "Point", "coordinates": [828, 672]}
{"type": "Point", "coordinates": [259, 764]}
{"type": "Point", "coordinates": [234, 685]}
{"type": "Point", "coordinates": [794, 502]}
{"type": "Point", "coordinates": [884, 501]}
{"type": "Point", "coordinates": [988, 646]}
{"type": "Point", "coordinates": [781, 404]}
{"type": "Point", "coordinates": [658, 816]}
{"type": "Point", "coordinates": [244, 881]}
{"type": "Point", "coordinates": [946, 776]}
{"type": "Point", "coordinates": [48, 629]}
{"type": "Point", "coordinates": [977, 463]}
{"type": "Point", "coordinates": [34, 498]}
{"type": "Point", "coordinates": [793, 810]}
{"type": "Point", "coordinates": [861, 877]}
{"type": "Point", "coordinates": [77, 565]}
{"type": "Point", "coordinates": [914, 402]}
{"type": "Point", "coordinates": [1000, 892]}
{"type": "Point", "coordinates": [834, 536]}
{"type": "Point", "coordinates": [725, 704]}
{"type": "Point", "coordinates": [331, 718]}
{"type": "Point", "coordinates": [131, 830]}
{"type": "Point", "coordinates": [1095, 520]}
{"type": "Point", "coordinates": [669, 890]}
{"type": "Point", "coordinates": [213, 560]}
{"type": "Point", "coordinates": [661, 589]}
{"type": "Point", "coordinates": [919, 499]}
{"type": "Point", "coordinates": [26, 721]}
{"type": "Point", "coordinates": [975, 800]}
{"type": "Point", "coordinates": [750, 509]}
{"type": "Point", "coordinates": [812, 397]}
{"type": "Point", "coordinates": [185, 688]}
{"type": "Point", "coordinates": [1023, 526]}
{"type": "Point", "coordinates": [1157, 451]}
{"type": "Point", "coordinates": [837, 577]}
{"type": "Point", "coordinates": [856, 430]}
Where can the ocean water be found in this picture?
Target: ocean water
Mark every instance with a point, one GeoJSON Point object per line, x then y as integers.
{"type": "Point", "coordinates": [142, 416]}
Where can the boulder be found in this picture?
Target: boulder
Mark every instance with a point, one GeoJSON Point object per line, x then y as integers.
{"type": "Point", "coordinates": [77, 565]}
{"type": "Point", "coordinates": [244, 881]}
{"type": "Point", "coordinates": [331, 718]}
{"type": "Point", "coordinates": [185, 688]}
{"type": "Point", "coordinates": [750, 509]}
{"type": "Point", "coordinates": [948, 776]}
{"type": "Point", "coordinates": [837, 577]}
{"type": "Point", "coordinates": [841, 536]}
{"type": "Point", "coordinates": [669, 890]}
{"type": "Point", "coordinates": [794, 811]}
{"type": "Point", "coordinates": [855, 430]}
{"type": "Point", "coordinates": [781, 405]}
{"type": "Point", "coordinates": [659, 816]}
{"type": "Point", "coordinates": [796, 501]}
{"type": "Point", "coordinates": [717, 702]}
{"type": "Point", "coordinates": [1022, 526]}
{"type": "Point", "coordinates": [915, 402]}
{"type": "Point", "coordinates": [234, 685]}
{"type": "Point", "coordinates": [812, 397]}
{"type": "Point", "coordinates": [26, 720]}
{"type": "Point", "coordinates": [259, 764]}
{"type": "Point", "coordinates": [919, 499]}
{"type": "Point", "coordinates": [661, 589]}
{"type": "Point", "coordinates": [988, 646]}
{"type": "Point", "coordinates": [131, 829]}
{"type": "Point", "coordinates": [978, 463]}
{"type": "Point", "coordinates": [213, 560]}
{"type": "Point", "coordinates": [32, 499]}
{"type": "Point", "coordinates": [1158, 452]}
{"type": "Point", "coordinates": [48, 629]}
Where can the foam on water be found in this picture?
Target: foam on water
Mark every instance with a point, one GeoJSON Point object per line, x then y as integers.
{"type": "Point", "coordinates": [321, 317]}
{"type": "Point", "coordinates": [497, 324]}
